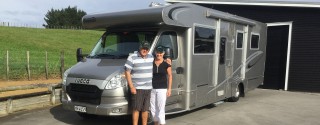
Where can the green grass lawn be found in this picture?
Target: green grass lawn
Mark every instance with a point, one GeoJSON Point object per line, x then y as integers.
{"type": "Point", "coordinates": [18, 41]}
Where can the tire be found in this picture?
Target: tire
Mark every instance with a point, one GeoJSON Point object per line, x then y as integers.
{"type": "Point", "coordinates": [236, 97]}
{"type": "Point", "coordinates": [86, 116]}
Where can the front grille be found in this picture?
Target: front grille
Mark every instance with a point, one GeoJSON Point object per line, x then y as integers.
{"type": "Point", "coordinates": [84, 93]}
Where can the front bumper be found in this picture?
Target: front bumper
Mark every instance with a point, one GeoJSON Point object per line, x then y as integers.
{"type": "Point", "coordinates": [109, 105]}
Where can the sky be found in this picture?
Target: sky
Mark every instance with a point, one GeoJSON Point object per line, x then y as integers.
{"type": "Point", "coordinates": [32, 12]}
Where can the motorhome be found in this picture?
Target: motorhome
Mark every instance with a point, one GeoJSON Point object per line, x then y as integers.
{"type": "Point", "coordinates": [215, 56]}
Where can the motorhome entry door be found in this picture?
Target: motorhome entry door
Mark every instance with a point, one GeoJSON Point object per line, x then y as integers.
{"type": "Point", "coordinates": [202, 62]}
{"type": "Point", "coordinates": [238, 52]}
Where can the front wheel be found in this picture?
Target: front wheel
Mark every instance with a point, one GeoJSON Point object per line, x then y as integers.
{"type": "Point", "coordinates": [236, 97]}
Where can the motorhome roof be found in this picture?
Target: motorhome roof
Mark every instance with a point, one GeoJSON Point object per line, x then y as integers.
{"type": "Point", "coordinates": [179, 14]}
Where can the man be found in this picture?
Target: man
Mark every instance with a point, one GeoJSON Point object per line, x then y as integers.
{"type": "Point", "coordinates": [139, 77]}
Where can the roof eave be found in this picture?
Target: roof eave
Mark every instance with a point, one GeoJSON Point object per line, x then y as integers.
{"type": "Point", "coordinates": [289, 4]}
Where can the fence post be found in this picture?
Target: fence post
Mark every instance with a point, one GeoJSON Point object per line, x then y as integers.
{"type": "Point", "coordinates": [52, 95]}
{"type": "Point", "coordinates": [46, 68]}
{"type": "Point", "coordinates": [9, 106]}
{"type": "Point", "coordinates": [28, 66]}
{"type": "Point", "coordinates": [7, 65]}
{"type": "Point", "coordinates": [62, 63]}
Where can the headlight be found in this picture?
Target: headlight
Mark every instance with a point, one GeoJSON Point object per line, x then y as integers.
{"type": "Point", "coordinates": [116, 82]}
{"type": "Point", "coordinates": [65, 74]}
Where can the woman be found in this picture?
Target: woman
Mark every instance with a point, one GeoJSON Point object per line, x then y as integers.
{"type": "Point", "coordinates": [161, 83]}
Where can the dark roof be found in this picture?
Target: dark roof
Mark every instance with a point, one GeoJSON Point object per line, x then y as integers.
{"type": "Point", "coordinates": [285, 3]}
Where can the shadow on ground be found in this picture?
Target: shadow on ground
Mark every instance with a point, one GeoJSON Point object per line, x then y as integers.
{"type": "Point", "coordinates": [210, 106]}
{"type": "Point", "coordinates": [70, 117]}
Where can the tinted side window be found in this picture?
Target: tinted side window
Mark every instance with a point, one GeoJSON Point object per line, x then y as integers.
{"type": "Point", "coordinates": [255, 41]}
{"type": "Point", "coordinates": [239, 40]}
{"type": "Point", "coordinates": [204, 40]}
{"type": "Point", "coordinates": [169, 39]}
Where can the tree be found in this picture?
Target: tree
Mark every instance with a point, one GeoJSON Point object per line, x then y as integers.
{"type": "Point", "coordinates": [67, 17]}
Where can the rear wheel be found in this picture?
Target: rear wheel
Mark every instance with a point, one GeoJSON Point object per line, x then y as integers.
{"type": "Point", "coordinates": [236, 97]}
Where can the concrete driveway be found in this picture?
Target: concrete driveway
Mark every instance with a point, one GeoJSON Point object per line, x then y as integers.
{"type": "Point", "coordinates": [259, 107]}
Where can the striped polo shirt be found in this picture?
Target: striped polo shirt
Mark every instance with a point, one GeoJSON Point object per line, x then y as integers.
{"type": "Point", "coordinates": [141, 70]}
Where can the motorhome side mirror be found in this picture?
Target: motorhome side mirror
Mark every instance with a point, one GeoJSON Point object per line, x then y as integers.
{"type": "Point", "coordinates": [79, 55]}
{"type": "Point", "coordinates": [168, 53]}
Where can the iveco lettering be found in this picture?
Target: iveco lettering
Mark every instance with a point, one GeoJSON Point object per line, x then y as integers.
{"type": "Point", "coordinates": [85, 81]}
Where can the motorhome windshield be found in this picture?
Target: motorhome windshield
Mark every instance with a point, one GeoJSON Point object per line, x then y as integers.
{"type": "Point", "coordinates": [117, 45]}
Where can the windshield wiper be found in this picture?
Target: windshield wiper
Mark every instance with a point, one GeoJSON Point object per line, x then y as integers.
{"type": "Point", "coordinates": [101, 55]}
{"type": "Point", "coordinates": [121, 56]}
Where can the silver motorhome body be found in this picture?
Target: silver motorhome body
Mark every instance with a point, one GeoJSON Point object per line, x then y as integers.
{"type": "Point", "coordinates": [215, 56]}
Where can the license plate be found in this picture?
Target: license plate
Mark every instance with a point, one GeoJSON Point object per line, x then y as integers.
{"type": "Point", "coordinates": [80, 108]}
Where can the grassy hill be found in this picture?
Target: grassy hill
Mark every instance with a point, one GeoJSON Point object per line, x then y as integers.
{"type": "Point", "coordinates": [37, 41]}
{"type": "Point", "coordinates": [32, 39]}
